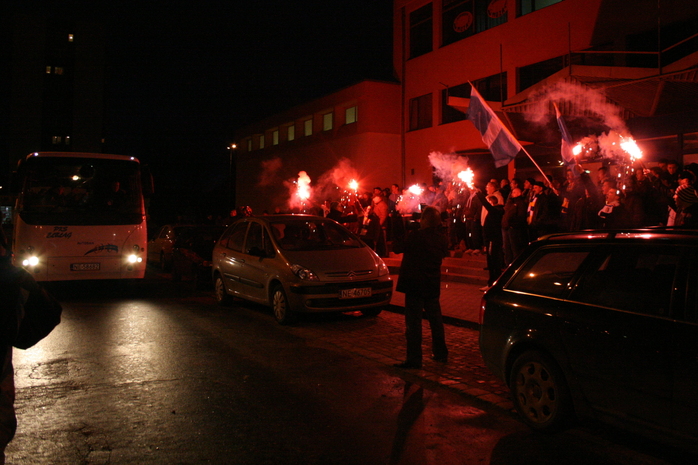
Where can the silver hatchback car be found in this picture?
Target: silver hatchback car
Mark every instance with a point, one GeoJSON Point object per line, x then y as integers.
{"type": "Point", "coordinates": [299, 263]}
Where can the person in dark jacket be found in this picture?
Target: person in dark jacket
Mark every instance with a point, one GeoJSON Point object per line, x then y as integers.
{"type": "Point", "coordinates": [27, 314]}
{"type": "Point", "coordinates": [514, 227]}
{"type": "Point", "coordinates": [492, 232]}
{"type": "Point", "coordinates": [420, 280]}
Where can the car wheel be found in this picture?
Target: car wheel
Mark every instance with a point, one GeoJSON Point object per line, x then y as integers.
{"type": "Point", "coordinates": [282, 309]}
{"type": "Point", "coordinates": [371, 311]}
{"type": "Point", "coordinates": [222, 296]}
{"type": "Point", "coordinates": [540, 392]}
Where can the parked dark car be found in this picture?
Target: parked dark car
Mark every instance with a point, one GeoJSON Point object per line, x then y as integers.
{"type": "Point", "coordinates": [191, 253]}
{"type": "Point", "coordinates": [602, 324]}
{"type": "Point", "coordinates": [160, 246]}
{"type": "Point", "coordinates": [299, 263]}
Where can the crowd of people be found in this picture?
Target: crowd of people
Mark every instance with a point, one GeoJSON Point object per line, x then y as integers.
{"type": "Point", "coordinates": [502, 216]}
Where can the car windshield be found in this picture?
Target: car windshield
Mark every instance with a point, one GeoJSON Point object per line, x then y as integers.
{"type": "Point", "coordinates": [304, 235]}
{"type": "Point", "coordinates": [81, 191]}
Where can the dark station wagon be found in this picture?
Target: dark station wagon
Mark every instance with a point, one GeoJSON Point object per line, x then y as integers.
{"type": "Point", "coordinates": [601, 324]}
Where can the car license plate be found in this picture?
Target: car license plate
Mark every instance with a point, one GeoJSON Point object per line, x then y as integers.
{"type": "Point", "coordinates": [355, 293]}
{"type": "Point", "coordinates": [84, 267]}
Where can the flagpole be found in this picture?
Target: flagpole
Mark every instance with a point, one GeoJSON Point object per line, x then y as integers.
{"type": "Point", "coordinates": [504, 126]}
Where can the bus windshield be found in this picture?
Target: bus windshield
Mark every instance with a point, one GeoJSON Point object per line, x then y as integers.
{"type": "Point", "coordinates": [80, 191]}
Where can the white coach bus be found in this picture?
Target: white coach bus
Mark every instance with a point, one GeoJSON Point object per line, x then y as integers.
{"type": "Point", "coordinates": [79, 216]}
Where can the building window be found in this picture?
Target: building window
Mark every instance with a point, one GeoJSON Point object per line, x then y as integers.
{"type": "Point", "coordinates": [48, 70]}
{"type": "Point", "coordinates": [529, 6]}
{"type": "Point", "coordinates": [308, 127]}
{"type": "Point", "coordinates": [327, 122]}
{"type": "Point", "coordinates": [493, 88]}
{"type": "Point", "coordinates": [67, 140]}
{"type": "Point", "coordinates": [532, 74]}
{"type": "Point", "coordinates": [249, 145]}
{"type": "Point", "coordinates": [58, 70]}
{"type": "Point", "coordinates": [448, 113]}
{"type": "Point", "coordinates": [350, 115]}
{"type": "Point", "coordinates": [420, 112]}
{"type": "Point", "coordinates": [490, 14]}
{"type": "Point", "coordinates": [275, 137]}
{"type": "Point", "coordinates": [261, 141]}
{"type": "Point", "coordinates": [55, 140]}
{"type": "Point", "coordinates": [70, 37]}
{"type": "Point", "coordinates": [421, 27]}
{"type": "Point", "coordinates": [291, 132]}
{"type": "Point", "coordinates": [463, 18]}
{"type": "Point", "coordinates": [457, 20]}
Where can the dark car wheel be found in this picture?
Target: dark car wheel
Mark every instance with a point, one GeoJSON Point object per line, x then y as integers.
{"type": "Point", "coordinates": [282, 309]}
{"type": "Point", "coordinates": [539, 392]}
{"type": "Point", "coordinates": [371, 311]}
{"type": "Point", "coordinates": [222, 296]}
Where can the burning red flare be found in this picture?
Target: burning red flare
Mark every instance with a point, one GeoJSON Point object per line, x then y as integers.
{"type": "Point", "coordinates": [467, 177]}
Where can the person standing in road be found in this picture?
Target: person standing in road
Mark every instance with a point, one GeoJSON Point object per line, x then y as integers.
{"type": "Point", "coordinates": [27, 315]}
{"type": "Point", "coordinates": [420, 280]}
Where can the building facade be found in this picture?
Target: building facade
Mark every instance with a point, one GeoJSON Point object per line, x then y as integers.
{"type": "Point", "coordinates": [610, 66]}
{"type": "Point", "coordinates": [352, 134]}
{"type": "Point", "coordinates": [607, 64]}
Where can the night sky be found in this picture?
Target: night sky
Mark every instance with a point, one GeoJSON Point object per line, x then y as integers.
{"type": "Point", "coordinates": [183, 77]}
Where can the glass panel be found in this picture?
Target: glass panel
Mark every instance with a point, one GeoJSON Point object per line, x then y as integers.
{"type": "Point", "coordinates": [549, 272]}
{"type": "Point", "coordinates": [81, 191]}
{"type": "Point", "coordinates": [633, 278]}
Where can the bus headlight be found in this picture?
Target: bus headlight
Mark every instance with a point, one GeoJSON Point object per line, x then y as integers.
{"type": "Point", "coordinates": [133, 258]}
{"type": "Point", "coordinates": [31, 261]}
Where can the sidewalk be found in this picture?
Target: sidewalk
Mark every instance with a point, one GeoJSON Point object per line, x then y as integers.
{"type": "Point", "coordinates": [460, 302]}
{"type": "Point", "coordinates": [461, 280]}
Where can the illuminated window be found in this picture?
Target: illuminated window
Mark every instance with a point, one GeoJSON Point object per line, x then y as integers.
{"type": "Point", "coordinates": [350, 115]}
{"type": "Point", "coordinates": [70, 37]}
{"type": "Point", "coordinates": [48, 70]}
{"type": "Point", "coordinates": [291, 132]}
{"type": "Point", "coordinates": [261, 141]}
{"type": "Point", "coordinates": [327, 122]}
{"type": "Point", "coordinates": [56, 140]}
{"type": "Point", "coordinates": [308, 127]}
{"type": "Point", "coordinates": [249, 145]}
{"type": "Point", "coordinates": [275, 137]}
{"type": "Point", "coordinates": [67, 140]}
{"type": "Point", "coordinates": [58, 70]}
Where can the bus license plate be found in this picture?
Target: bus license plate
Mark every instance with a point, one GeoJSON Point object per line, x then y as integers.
{"type": "Point", "coordinates": [84, 267]}
{"type": "Point", "coordinates": [355, 293]}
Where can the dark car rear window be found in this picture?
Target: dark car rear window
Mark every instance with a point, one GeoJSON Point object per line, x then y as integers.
{"type": "Point", "coordinates": [635, 278]}
{"type": "Point", "coordinates": [548, 272]}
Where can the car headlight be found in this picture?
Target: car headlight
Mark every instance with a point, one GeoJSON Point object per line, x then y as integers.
{"type": "Point", "coordinates": [303, 273]}
{"type": "Point", "coordinates": [383, 269]}
{"type": "Point", "coordinates": [31, 261]}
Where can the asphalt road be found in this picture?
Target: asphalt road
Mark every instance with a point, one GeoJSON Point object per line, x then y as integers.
{"type": "Point", "coordinates": [161, 374]}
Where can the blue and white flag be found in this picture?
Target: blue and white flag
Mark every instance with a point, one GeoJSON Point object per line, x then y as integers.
{"type": "Point", "coordinates": [566, 148]}
{"type": "Point", "coordinates": [499, 140]}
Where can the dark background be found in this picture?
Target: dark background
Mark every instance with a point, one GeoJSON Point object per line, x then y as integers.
{"type": "Point", "coordinates": [182, 78]}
